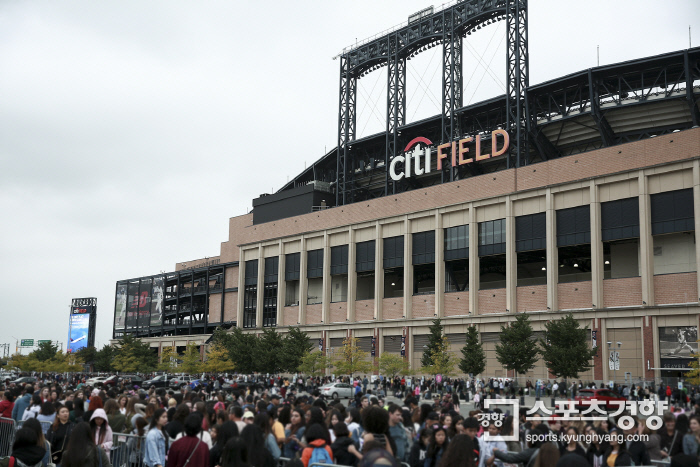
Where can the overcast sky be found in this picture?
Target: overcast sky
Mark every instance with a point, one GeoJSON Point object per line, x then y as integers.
{"type": "Point", "coordinates": [131, 131]}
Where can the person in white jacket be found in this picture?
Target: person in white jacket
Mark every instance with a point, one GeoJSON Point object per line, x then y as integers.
{"type": "Point", "coordinates": [487, 447]}
{"type": "Point", "coordinates": [34, 408]}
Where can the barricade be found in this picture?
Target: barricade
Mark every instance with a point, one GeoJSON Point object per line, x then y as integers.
{"type": "Point", "coordinates": [283, 461]}
{"type": "Point", "coordinates": [7, 436]}
{"type": "Point", "coordinates": [44, 426]}
{"type": "Point", "coordinates": [127, 450]}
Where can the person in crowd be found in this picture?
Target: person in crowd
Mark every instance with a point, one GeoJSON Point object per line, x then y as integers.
{"type": "Point", "coordinates": [316, 436]}
{"type": "Point", "coordinates": [485, 455]}
{"type": "Point", "coordinates": [47, 414]}
{"type": "Point", "coordinates": [202, 434]}
{"type": "Point", "coordinates": [177, 424]}
{"type": "Point", "coordinates": [35, 425]}
{"type": "Point", "coordinates": [81, 450]}
{"type": "Point", "coordinates": [135, 444]}
{"type": "Point", "coordinates": [34, 408]}
{"type": "Point", "coordinates": [21, 404]}
{"type": "Point", "coordinates": [671, 441]}
{"type": "Point", "coordinates": [398, 432]}
{"type": "Point", "coordinates": [262, 420]}
{"type": "Point", "coordinates": [617, 454]}
{"type": "Point", "coordinates": [227, 431]}
{"type": "Point", "coordinates": [419, 449]}
{"type": "Point", "coordinates": [235, 454]}
{"type": "Point", "coordinates": [691, 440]}
{"type": "Point", "coordinates": [190, 447]}
{"type": "Point", "coordinates": [6, 405]}
{"type": "Point", "coordinates": [95, 403]}
{"type": "Point", "coordinates": [436, 448]}
{"type": "Point", "coordinates": [572, 446]}
{"type": "Point", "coordinates": [258, 456]}
{"type": "Point", "coordinates": [156, 440]}
{"type": "Point", "coordinates": [59, 433]}
{"type": "Point", "coordinates": [460, 453]}
{"type": "Point", "coordinates": [25, 450]}
{"type": "Point", "coordinates": [99, 424]}
{"type": "Point", "coordinates": [294, 432]}
{"type": "Point", "coordinates": [344, 450]}
{"type": "Point", "coordinates": [117, 420]}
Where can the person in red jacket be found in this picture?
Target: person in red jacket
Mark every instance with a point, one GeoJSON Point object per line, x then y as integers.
{"type": "Point", "coordinates": [316, 438]}
{"type": "Point", "coordinates": [189, 446]}
{"type": "Point", "coordinates": [6, 405]}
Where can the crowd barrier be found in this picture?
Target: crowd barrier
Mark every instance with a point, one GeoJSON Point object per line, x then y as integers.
{"type": "Point", "coordinates": [127, 450]}
{"type": "Point", "coordinates": [7, 436]}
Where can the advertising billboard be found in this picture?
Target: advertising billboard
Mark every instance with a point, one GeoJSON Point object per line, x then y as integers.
{"type": "Point", "coordinates": [132, 304]}
{"type": "Point", "coordinates": [120, 307]}
{"type": "Point", "coordinates": [81, 329]}
{"type": "Point", "coordinates": [157, 302]}
{"type": "Point", "coordinates": [144, 302]}
{"type": "Point", "coordinates": [677, 344]}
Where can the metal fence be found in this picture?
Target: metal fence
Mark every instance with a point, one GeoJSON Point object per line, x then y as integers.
{"type": "Point", "coordinates": [7, 436]}
{"type": "Point", "coordinates": [127, 450]}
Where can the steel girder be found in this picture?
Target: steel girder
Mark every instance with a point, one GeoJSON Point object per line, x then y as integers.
{"type": "Point", "coordinates": [452, 85]}
{"type": "Point", "coordinates": [395, 106]}
{"type": "Point", "coordinates": [518, 80]}
{"type": "Point", "coordinates": [691, 70]}
{"type": "Point", "coordinates": [347, 122]}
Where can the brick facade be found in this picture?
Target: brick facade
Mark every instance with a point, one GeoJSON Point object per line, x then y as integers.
{"type": "Point", "coordinates": [492, 301]}
{"type": "Point", "coordinates": [676, 288]}
{"type": "Point", "coordinates": [392, 308]}
{"type": "Point", "coordinates": [314, 313]}
{"type": "Point", "coordinates": [290, 316]}
{"type": "Point", "coordinates": [339, 312]}
{"type": "Point", "coordinates": [364, 310]}
{"type": "Point", "coordinates": [622, 292]}
{"type": "Point", "coordinates": [456, 304]}
{"type": "Point", "coordinates": [575, 295]}
{"type": "Point", "coordinates": [424, 306]}
{"type": "Point", "coordinates": [532, 298]}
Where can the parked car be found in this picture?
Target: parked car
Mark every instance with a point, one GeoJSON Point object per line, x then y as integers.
{"type": "Point", "coordinates": [338, 390]}
{"type": "Point", "coordinates": [111, 381]}
{"type": "Point", "coordinates": [161, 381]}
{"type": "Point", "coordinates": [131, 379]}
{"type": "Point", "coordinates": [179, 381]}
{"type": "Point", "coordinates": [605, 398]}
{"type": "Point", "coordinates": [24, 380]}
{"type": "Point", "coordinates": [96, 380]}
{"type": "Point", "coordinates": [241, 385]}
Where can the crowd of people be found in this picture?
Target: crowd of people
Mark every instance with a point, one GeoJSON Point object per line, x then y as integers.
{"type": "Point", "coordinates": [260, 425]}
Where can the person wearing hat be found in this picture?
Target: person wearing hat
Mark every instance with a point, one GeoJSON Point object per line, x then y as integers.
{"type": "Point", "coordinates": [99, 424]}
{"type": "Point", "coordinates": [248, 417]}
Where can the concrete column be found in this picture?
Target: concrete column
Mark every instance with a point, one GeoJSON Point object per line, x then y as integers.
{"type": "Point", "coordinates": [241, 288]}
{"type": "Point", "coordinates": [261, 289]}
{"type": "Point", "coordinates": [326, 297]}
{"type": "Point", "coordinates": [646, 242]}
{"type": "Point", "coordinates": [407, 269]}
{"type": "Point", "coordinates": [511, 259]}
{"type": "Point", "coordinates": [605, 351]}
{"type": "Point", "coordinates": [303, 281]}
{"type": "Point", "coordinates": [596, 248]}
{"type": "Point", "coordinates": [552, 253]}
{"type": "Point", "coordinates": [473, 261]}
{"type": "Point", "coordinates": [696, 211]}
{"type": "Point", "coordinates": [378, 271]}
{"type": "Point", "coordinates": [352, 275]}
{"type": "Point", "coordinates": [439, 266]}
{"type": "Point", "coordinates": [281, 284]}
{"type": "Point", "coordinates": [379, 349]}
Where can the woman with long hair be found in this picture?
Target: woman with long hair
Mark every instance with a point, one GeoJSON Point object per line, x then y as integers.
{"type": "Point", "coordinates": [135, 445]}
{"type": "Point", "coordinates": [416, 458]}
{"type": "Point", "coordinates": [131, 412]}
{"type": "Point", "coordinates": [122, 401]}
{"type": "Point", "coordinates": [258, 455]}
{"type": "Point", "coordinates": [156, 440]}
{"type": "Point", "coordinates": [549, 455]}
{"type": "Point", "coordinates": [460, 453]}
{"type": "Point", "coordinates": [81, 450]}
{"type": "Point", "coordinates": [34, 408]}
{"type": "Point", "coordinates": [99, 424]}
{"type": "Point", "coordinates": [617, 454]}
{"type": "Point", "coordinates": [117, 421]}
{"type": "Point", "coordinates": [263, 421]}
{"type": "Point", "coordinates": [332, 417]}
{"type": "Point", "coordinates": [691, 440]}
{"type": "Point", "coordinates": [25, 449]}
{"type": "Point", "coordinates": [59, 433]}
{"type": "Point", "coordinates": [34, 425]}
{"type": "Point", "coordinates": [47, 413]}
{"type": "Point", "coordinates": [227, 431]}
{"type": "Point", "coordinates": [235, 454]}
{"type": "Point", "coordinates": [437, 447]}
{"type": "Point", "coordinates": [293, 433]}
{"type": "Point", "coordinates": [177, 424]}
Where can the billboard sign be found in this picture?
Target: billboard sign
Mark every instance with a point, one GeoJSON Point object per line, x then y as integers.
{"type": "Point", "coordinates": [27, 343]}
{"type": "Point", "coordinates": [120, 307]}
{"type": "Point", "coordinates": [132, 304]}
{"type": "Point", "coordinates": [144, 303]}
{"type": "Point", "coordinates": [43, 342]}
{"type": "Point", "coordinates": [78, 333]}
{"type": "Point", "coordinates": [677, 345]}
{"type": "Point", "coordinates": [157, 301]}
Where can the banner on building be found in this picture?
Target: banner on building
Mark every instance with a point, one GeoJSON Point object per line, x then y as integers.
{"type": "Point", "coordinates": [120, 307]}
{"type": "Point", "coordinates": [677, 345]}
{"type": "Point", "coordinates": [157, 301]}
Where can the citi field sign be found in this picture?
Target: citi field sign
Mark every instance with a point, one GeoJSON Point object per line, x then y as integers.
{"type": "Point", "coordinates": [460, 153]}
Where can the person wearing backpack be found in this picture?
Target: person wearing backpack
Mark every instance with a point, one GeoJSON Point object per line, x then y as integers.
{"type": "Point", "coordinates": [317, 451]}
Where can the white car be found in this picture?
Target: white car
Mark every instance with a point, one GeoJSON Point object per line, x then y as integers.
{"type": "Point", "coordinates": [96, 380]}
{"type": "Point", "coordinates": [338, 390]}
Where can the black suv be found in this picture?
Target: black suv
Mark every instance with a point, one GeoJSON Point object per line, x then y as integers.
{"type": "Point", "coordinates": [160, 381]}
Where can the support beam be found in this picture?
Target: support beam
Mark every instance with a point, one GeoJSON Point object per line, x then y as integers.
{"type": "Point", "coordinates": [395, 106]}
{"type": "Point", "coordinates": [451, 85]}
{"type": "Point", "coordinates": [347, 121]}
{"type": "Point", "coordinates": [518, 81]}
{"type": "Point", "coordinates": [604, 128]}
{"type": "Point", "coordinates": [694, 112]}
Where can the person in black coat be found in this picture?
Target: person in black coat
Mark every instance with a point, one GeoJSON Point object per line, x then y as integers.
{"type": "Point", "coordinates": [637, 449]}
{"type": "Point", "coordinates": [617, 450]}
{"type": "Point", "coordinates": [344, 450]}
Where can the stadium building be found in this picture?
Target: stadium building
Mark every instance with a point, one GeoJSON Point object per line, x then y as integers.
{"type": "Point", "coordinates": [580, 194]}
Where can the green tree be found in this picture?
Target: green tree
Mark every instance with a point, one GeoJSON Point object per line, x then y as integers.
{"type": "Point", "coordinates": [104, 358]}
{"type": "Point", "coordinates": [351, 359]}
{"type": "Point", "coordinates": [168, 359]}
{"type": "Point", "coordinates": [434, 339]}
{"type": "Point", "coordinates": [45, 351]}
{"type": "Point", "coordinates": [473, 359]}
{"type": "Point", "coordinates": [296, 346]}
{"type": "Point", "coordinates": [191, 360]}
{"type": "Point", "coordinates": [518, 349]}
{"type": "Point", "coordinates": [314, 363]}
{"type": "Point", "coordinates": [133, 355]}
{"type": "Point", "coordinates": [693, 376]}
{"type": "Point", "coordinates": [566, 350]}
{"type": "Point", "coordinates": [442, 360]}
{"type": "Point", "coordinates": [270, 350]}
{"type": "Point", "coordinates": [87, 355]}
{"type": "Point", "coordinates": [218, 360]}
{"type": "Point", "coordinates": [391, 365]}
{"type": "Point", "coordinates": [243, 350]}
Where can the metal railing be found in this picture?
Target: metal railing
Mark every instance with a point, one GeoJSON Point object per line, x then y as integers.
{"type": "Point", "coordinates": [127, 450]}
{"type": "Point", "coordinates": [7, 436]}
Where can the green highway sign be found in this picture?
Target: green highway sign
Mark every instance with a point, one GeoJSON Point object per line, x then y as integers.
{"type": "Point", "coordinates": [27, 342]}
{"type": "Point", "coordinates": [42, 342]}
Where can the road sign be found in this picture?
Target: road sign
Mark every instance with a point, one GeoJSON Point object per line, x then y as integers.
{"type": "Point", "coordinates": [27, 343]}
{"type": "Point", "coordinates": [43, 342]}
